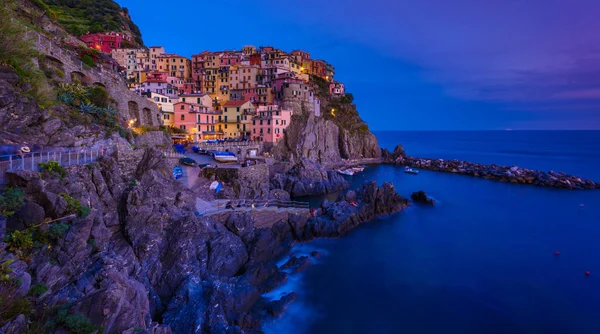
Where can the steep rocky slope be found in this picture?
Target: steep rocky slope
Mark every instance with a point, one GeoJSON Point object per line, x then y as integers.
{"type": "Point", "coordinates": [138, 258]}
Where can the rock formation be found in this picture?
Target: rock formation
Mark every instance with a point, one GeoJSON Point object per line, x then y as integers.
{"type": "Point", "coordinates": [327, 141]}
{"type": "Point", "coordinates": [421, 197]}
{"type": "Point", "coordinates": [308, 178]}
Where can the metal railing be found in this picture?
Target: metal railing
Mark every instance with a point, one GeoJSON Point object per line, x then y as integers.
{"type": "Point", "coordinates": [173, 155]}
{"type": "Point", "coordinates": [31, 161]}
{"type": "Point", "coordinates": [229, 144]}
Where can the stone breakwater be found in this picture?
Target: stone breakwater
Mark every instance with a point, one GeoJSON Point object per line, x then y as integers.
{"type": "Point", "coordinates": [512, 174]}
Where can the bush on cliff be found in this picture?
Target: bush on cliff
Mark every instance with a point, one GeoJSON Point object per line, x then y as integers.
{"type": "Point", "coordinates": [53, 167]}
{"type": "Point", "coordinates": [74, 206]}
{"type": "Point", "coordinates": [11, 200]}
{"type": "Point", "coordinates": [76, 323]}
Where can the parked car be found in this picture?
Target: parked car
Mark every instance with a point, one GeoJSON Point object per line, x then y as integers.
{"type": "Point", "coordinates": [187, 161]}
{"type": "Point", "coordinates": [203, 151]}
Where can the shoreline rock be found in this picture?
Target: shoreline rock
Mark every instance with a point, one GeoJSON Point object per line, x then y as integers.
{"type": "Point", "coordinates": [421, 197]}
{"type": "Point", "coordinates": [308, 178]}
{"type": "Point", "coordinates": [509, 174]}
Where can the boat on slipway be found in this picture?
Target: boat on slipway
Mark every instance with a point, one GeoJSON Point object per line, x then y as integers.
{"type": "Point", "coordinates": [225, 157]}
{"type": "Point", "coordinates": [351, 171]}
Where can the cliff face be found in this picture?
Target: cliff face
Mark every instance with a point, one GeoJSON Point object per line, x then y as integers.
{"type": "Point", "coordinates": [328, 139]}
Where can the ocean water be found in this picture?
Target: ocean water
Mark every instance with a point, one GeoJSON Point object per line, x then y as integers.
{"type": "Point", "coordinates": [481, 261]}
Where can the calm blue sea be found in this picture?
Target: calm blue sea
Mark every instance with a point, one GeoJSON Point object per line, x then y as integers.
{"type": "Point", "coordinates": [481, 261]}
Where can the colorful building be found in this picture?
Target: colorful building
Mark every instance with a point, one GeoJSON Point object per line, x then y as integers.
{"type": "Point", "coordinates": [336, 89]}
{"type": "Point", "coordinates": [165, 104]}
{"type": "Point", "coordinates": [106, 41]}
{"type": "Point", "coordinates": [231, 122]}
{"type": "Point", "coordinates": [175, 65]}
{"type": "Point", "coordinates": [270, 123]}
{"type": "Point", "coordinates": [198, 121]}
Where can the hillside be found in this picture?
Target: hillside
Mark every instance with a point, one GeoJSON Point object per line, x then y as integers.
{"type": "Point", "coordinates": [81, 16]}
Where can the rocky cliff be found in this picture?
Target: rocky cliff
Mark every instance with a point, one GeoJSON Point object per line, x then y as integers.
{"type": "Point", "coordinates": [324, 140]}
{"type": "Point", "coordinates": [123, 249]}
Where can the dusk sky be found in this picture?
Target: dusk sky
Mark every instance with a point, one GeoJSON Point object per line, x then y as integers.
{"type": "Point", "coordinates": [417, 65]}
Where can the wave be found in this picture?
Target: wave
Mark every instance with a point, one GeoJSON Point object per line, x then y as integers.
{"type": "Point", "coordinates": [298, 314]}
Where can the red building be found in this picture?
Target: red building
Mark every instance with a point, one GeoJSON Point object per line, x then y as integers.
{"type": "Point", "coordinates": [105, 41]}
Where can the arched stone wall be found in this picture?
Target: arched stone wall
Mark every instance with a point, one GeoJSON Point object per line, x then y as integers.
{"type": "Point", "coordinates": [134, 113]}
{"type": "Point", "coordinates": [147, 116]}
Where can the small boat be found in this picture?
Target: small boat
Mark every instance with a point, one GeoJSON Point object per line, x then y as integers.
{"type": "Point", "coordinates": [409, 170]}
{"type": "Point", "coordinates": [225, 157]}
{"type": "Point", "coordinates": [348, 171]}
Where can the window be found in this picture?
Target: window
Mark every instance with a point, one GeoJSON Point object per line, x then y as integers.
{"type": "Point", "coordinates": [254, 130]}
{"type": "Point", "coordinates": [225, 120]}
{"type": "Point", "coordinates": [253, 122]}
{"type": "Point", "coordinates": [238, 109]}
{"type": "Point", "coordinates": [225, 125]}
{"type": "Point", "coordinates": [268, 122]}
{"type": "Point", "coordinates": [268, 130]}
{"type": "Point", "coordinates": [182, 127]}
{"type": "Point", "coordinates": [238, 126]}
{"type": "Point", "coordinates": [183, 117]}
{"type": "Point", "coordinates": [276, 122]}
{"type": "Point", "coordinates": [166, 117]}
{"type": "Point", "coordinates": [261, 122]}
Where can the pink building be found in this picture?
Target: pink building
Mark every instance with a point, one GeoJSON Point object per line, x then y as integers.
{"type": "Point", "coordinates": [270, 123]}
{"type": "Point", "coordinates": [105, 41]}
{"type": "Point", "coordinates": [336, 89]}
{"type": "Point", "coordinates": [199, 121]}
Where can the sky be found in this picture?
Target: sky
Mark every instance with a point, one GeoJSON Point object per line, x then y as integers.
{"type": "Point", "coordinates": [419, 64]}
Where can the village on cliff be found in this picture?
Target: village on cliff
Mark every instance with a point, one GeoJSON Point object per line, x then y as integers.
{"type": "Point", "coordinates": [222, 95]}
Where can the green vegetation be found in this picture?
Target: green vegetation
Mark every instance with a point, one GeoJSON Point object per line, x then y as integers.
{"type": "Point", "coordinates": [74, 206]}
{"type": "Point", "coordinates": [20, 241]}
{"type": "Point", "coordinates": [11, 200]}
{"type": "Point", "coordinates": [94, 105]}
{"type": "Point", "coordinates": [38, 290]}
{"type": "Point", "coordinates": [322, 85]}
{"type": "Point", "coordinates": [53, 167]}
{"type": "Point", "coordinates": [58, 230]}
{"type": "Point", "coordinates": [88, 60]}
{"type": "Point", "coordinates": [171, 130]}
{"type": "Point", "coordinates": [348, 98]}
{"type": "Point", "coordinates": [83, 16]}
{"type": "Point", "coordinates": [17, 51]}
{"type": "Point", "coordinates": [76, 323]}
{"type": "Point", "coordinates": [5, 270]}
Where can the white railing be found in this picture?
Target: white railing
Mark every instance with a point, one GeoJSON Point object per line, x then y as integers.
{"type": "Point", "coordinates": [173, 155]}
{"type": "Point", "coordinates": [31, 161]}
{"type": "Point", "coordinates": [229, 144]}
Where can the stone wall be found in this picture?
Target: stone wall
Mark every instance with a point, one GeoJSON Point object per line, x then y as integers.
{"type": "Point", "coordinates": [154, 139]}
{"type": "Point", "coordinates": [130, 106]}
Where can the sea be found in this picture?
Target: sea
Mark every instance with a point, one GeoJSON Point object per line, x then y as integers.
{"type": "Point", "coordinates": [490, 257]}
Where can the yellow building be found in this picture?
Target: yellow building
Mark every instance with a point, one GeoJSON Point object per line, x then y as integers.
{"type": "Point", "coordinates": [243, 76]}
{"type": "Point", "coordinates": [222, 89]}
{"type": "Point", "coordinates": [176, 66]}
{"type": "Point", "coordinates": [230, 123]}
